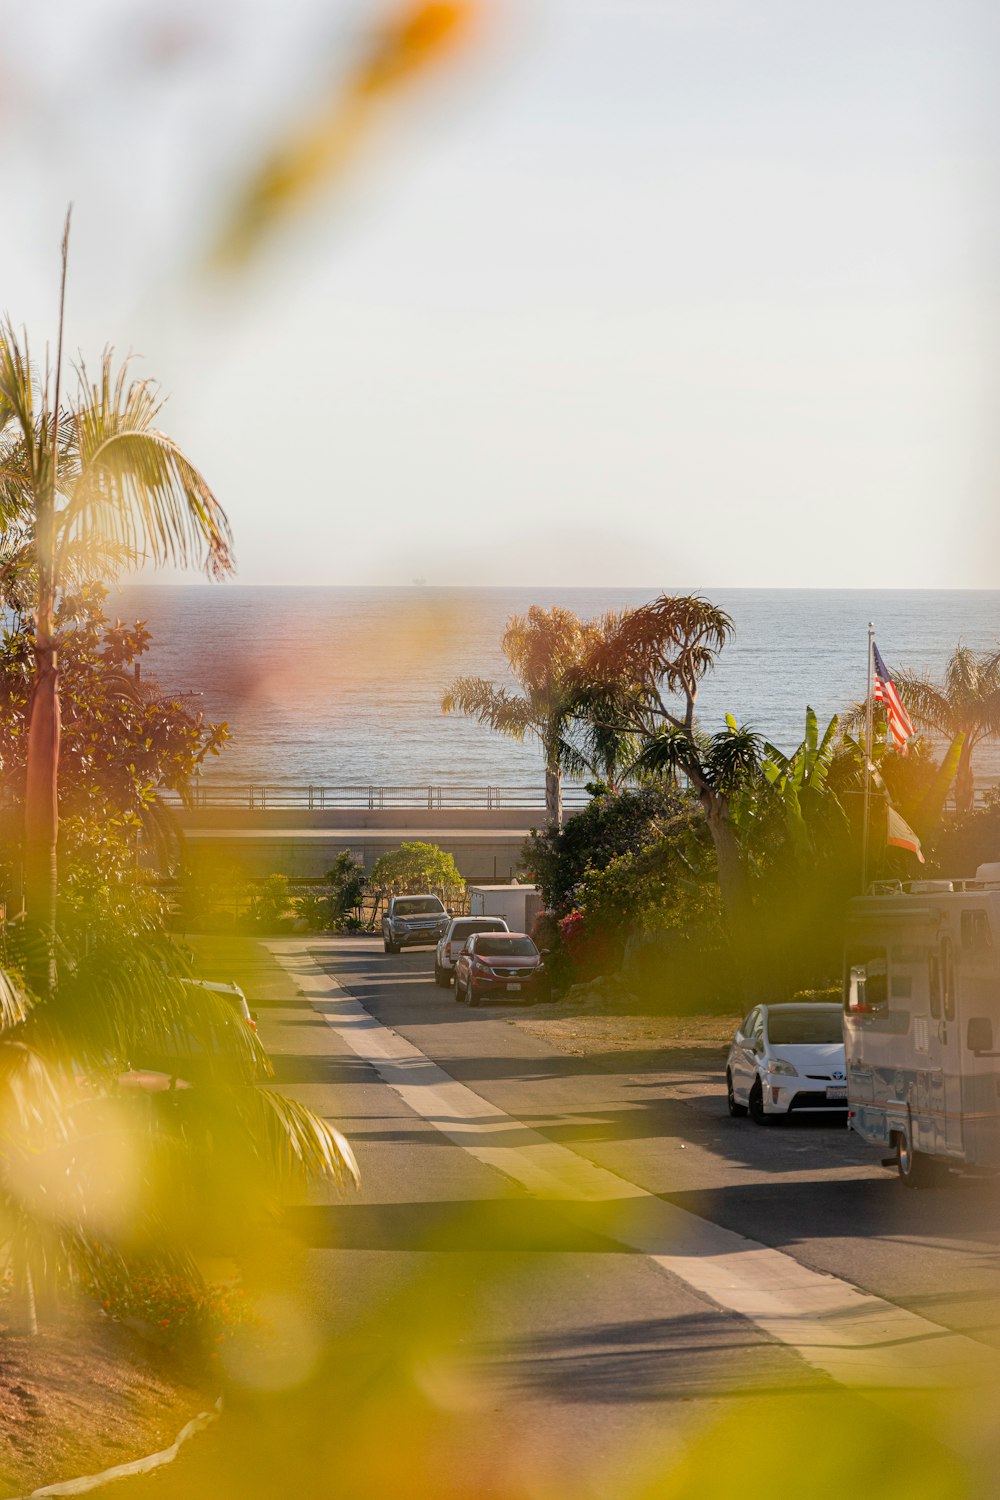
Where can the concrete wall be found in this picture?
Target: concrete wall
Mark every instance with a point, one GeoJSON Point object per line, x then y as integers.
{"type": "Point", "coordinates": [480, 854]}
{"type": "Point", "coordinates": [486, 846]}
{"type": "Point", "coordinates": [422, 820]}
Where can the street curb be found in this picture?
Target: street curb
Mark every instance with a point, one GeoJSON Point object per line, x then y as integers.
{"type": "Point", "coordinates": [88, 1482]}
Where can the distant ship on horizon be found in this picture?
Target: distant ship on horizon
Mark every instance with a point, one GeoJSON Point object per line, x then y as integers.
{"type": "Point", "coordinates": [420, 583]}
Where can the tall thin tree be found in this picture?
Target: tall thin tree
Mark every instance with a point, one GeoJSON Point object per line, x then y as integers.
{"type": "Point", "coordinates": [93, 479]}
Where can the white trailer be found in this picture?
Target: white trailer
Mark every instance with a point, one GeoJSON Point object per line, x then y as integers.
{"type": "Point", "coordinates": [519, 905]}
{"type": "Point", "coordinates": [922, 1023]}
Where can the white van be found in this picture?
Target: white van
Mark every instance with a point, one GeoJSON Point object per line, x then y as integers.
{"type": "Point", "coordinates": [922, 1023]}
{"type": "Point", "coordinates": [460, 929]}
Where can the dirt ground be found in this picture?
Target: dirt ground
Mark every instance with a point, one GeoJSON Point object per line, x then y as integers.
{"type": "Point", "coordinates": [83, 1395]}
{"type": "Point", "coordinates": [592, 1030]}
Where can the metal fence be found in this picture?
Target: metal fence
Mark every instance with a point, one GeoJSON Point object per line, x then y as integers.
{"type": "Point", "coordinates": [262, 797]}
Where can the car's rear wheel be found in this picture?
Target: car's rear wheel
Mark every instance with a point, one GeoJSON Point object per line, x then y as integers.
{"type": "Point", "coordinates": [755, 1101]}
{"type": "Point", "coordinates": [441, 979]}
{"type": "Point", "coordinates": [736, 1109]}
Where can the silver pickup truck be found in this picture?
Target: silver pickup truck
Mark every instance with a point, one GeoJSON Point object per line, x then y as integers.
{"type": "Point", "coordinates": [411, 920]}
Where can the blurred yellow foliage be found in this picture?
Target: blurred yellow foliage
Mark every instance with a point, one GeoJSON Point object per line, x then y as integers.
{"type": "Point", "coordinates": [319, 147]}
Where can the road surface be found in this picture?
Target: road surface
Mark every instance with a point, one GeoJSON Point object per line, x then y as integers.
{"type": "Point", "coordinates": [569, 1277]}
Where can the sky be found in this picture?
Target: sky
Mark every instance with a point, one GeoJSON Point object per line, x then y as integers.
{"type": "Point", "coordinates": [624, 292]}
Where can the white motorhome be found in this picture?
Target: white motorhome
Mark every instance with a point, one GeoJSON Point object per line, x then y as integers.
{"type": "Point", "coordinates": [922, 1022]}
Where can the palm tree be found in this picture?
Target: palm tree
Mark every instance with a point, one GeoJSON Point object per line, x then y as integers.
{"type": "Point", "coordinates": [640, 682]}
{"type": "Point", "coordinates": [717, 767]}
{"type": "Point", "coordinates": [966, 703]}
{"type": "Point", "coordinates": [67, 1112]}
{"type": "Point", "coordinates": [92, 483]}
{"type": "Point", "coordinates": [545, 648]}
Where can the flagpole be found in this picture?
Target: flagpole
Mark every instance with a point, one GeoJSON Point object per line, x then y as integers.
{"type": "Point", "coordinates": [868, 765]}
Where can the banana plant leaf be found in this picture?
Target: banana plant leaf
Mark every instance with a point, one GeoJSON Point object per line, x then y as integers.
{"type": "Point", "coordinates": [926, 815]}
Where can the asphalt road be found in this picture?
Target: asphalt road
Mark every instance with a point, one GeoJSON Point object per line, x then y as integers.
{"type": "Point", "coordinates": [808, 1187]}
{"type": "Point", "coordinates": [516, 1346]}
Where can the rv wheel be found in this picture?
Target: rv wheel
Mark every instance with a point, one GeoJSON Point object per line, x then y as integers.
{"type": "Point", "coordinates": [916, 1169]}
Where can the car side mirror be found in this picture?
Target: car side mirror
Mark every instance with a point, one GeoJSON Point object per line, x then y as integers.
{"type": "Point", "coordinates": [254, 1016]}
{"type": "Point", "coordinates": [979, 1036]}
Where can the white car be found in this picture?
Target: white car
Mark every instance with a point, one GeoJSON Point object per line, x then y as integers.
{"type": "Point", "coordinates": [787, 1058]}
{"type": "Point", "coordinates": [459, 930]}
{"type": "Point", "coordinates": [231, 992]}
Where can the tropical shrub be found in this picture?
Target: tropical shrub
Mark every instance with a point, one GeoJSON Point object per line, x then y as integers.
{"type": "Point", "coordinates": [416, 866]}
{"type": "Point", "coordinates": [348, 881]}
{"type": "Point", "coordinates": [960, 847]}
{"type": "Point", "coordinates": [315, 909]}
{"type": "Point", "coordinates": [610, 825]}
{"type": "Point", "coordinates": [270, 904]}
{"type": "Point", "coordinates": [193, 1316]}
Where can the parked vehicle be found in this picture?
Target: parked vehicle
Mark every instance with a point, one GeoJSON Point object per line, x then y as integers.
{"type": "Point", "coordinates": [519, 905]}
{"type": "Point", "coordinates": [232, 992]}
{"type": "Point", "coordinates": [787, 1058]}
{"type": "Point", "coordinates": [412, 920]}
{"type": "Point", "coordinates": [922, 1023]}
{"type": "Point", "coordinates": [202, 1052]}
{"type": "Point", "coordinates": [460, 929]}
{"type": "Point", "coordinates": [499, 966]}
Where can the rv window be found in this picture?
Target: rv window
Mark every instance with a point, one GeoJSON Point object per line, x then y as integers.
{"type": "Point", "coordinates": [866, 979]}
{"type": "Point", "coordinates": [948, 979]}
{"type": "Point", "coordinates": [976, 930]}
{"type": "Point", "coordinates": [934, 986]}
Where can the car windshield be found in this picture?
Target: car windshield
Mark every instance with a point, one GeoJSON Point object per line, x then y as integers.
{"type": "Point", "coordinates": [421, 906]}
{"type": "Point", "coordinates": [466, 929]}
{"type": "Point", "coordinates": [506, 947]}
{"type": "Point", "coordinates": [810, 1025]}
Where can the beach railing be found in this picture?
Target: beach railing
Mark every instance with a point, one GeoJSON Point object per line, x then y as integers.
{"type": "Point", "coordinates": [275, 796]}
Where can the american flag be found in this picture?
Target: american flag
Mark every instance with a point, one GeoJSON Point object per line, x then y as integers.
{"type": "Point", "coordinates": [900, 726]}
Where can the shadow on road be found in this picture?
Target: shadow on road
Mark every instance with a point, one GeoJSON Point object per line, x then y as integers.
{"type": "Point", "coordinates": [492, 1224]}
{"type": "Point", "coordinates": [681, 1358]}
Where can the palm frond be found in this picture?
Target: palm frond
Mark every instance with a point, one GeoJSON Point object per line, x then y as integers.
{"type": "Point", "coordinates": [928, 706]}
{"type": "Point", "coordinates": [18, 396]}
{"type": "Point", "coordinates": [732, 758]}
{"type": "Point", "coordinates": [133, 488]}
{"type": "Point", "coordinates": [290, 1140]}
{"type": "Point", "coordinates": [15, 1003]}
{"type": "Point", "coordinates": [477, 698]}
{"type": "Point", "coordinates": [668, 752]}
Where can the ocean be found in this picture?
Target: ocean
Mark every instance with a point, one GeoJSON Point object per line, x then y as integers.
{"type": "Point", "coordinates": [342, 686]}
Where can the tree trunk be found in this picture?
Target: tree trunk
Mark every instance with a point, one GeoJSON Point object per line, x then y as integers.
{"type": "Point", "coordinates": [733, 884]}
{"type": "Point", "coordinates": [41, 815]}
{"type": "Point", "coordinates": [25, 1312]}
{"type": "Point", "coordinates": [553, 796]}
{"type": "Point", "coordinates": [965, 787]}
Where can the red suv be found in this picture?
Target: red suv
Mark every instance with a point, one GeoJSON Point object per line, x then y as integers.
{"type": "Point", "coordinates": [498, 965]}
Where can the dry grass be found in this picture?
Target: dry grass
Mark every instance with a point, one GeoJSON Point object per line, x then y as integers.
{"type": "Point", "coordinates": [586, 1034]}
{"type": "Point", "coordinates": [82, 1396]}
